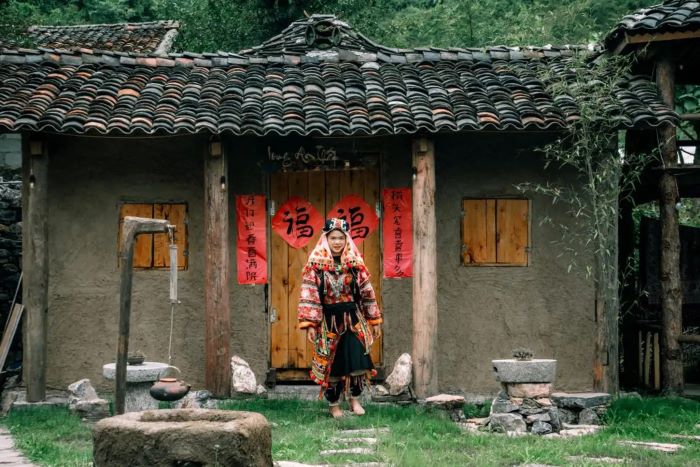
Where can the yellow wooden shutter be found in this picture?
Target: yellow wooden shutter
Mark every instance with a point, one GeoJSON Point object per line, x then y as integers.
{"type": "Point", "coordinates": [512, 231]}
{"type": "Point", "coordinates": [143, 249]}
{"type": "Point", "coordinates": [176, 214]}
{"type": "Point", "coordinates": [479, 231]}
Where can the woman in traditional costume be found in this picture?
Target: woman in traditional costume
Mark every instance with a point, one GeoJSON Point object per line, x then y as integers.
{"type": "Point", "coordinates": [339, 310]}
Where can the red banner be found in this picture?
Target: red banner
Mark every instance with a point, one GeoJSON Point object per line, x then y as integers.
{"type": "Point", "coordinates": [251, 248]}
{"type": "Point", "coordinates": [297, 221]}
{"type": "Point", "coordinates": [359, 215]}
{"type": "Point", "coordinates": [397, 230]}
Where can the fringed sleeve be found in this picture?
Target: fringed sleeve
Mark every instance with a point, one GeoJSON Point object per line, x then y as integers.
{"type": "Point", "coordinates": [310, 311]}
{"type": "Point", "coordinates": [370, 308]}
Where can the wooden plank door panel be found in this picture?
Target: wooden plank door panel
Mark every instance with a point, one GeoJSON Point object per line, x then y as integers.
{"type": "Point", "coordinates": [279, 279]}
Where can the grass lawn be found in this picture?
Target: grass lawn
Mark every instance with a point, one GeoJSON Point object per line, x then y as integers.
{"type": "Point", "coordinates": [416, 438]}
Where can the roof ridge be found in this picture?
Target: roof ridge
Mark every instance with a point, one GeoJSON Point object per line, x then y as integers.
{"type": "Point", "coordinates": [144, 24]}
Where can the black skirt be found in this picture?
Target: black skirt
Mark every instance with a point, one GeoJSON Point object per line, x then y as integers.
{"type": "Point", "coordinates": [350, 356]}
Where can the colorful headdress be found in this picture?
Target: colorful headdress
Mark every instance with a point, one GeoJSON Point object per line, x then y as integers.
{"type": "Point", "coordinates": [321, 257]}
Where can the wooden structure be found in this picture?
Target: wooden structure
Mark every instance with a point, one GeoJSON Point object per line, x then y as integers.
{"type": "Point", "coordinates": [666, 41]}
{"type": "Point", "coordinates": [320, 112]}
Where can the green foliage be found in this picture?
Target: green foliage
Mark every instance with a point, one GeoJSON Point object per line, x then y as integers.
{"type": "Point", "coordinates": [210, 25]}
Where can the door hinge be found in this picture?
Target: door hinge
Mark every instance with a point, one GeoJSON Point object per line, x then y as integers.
{"type": "Point", "coordinates": [273, 315]}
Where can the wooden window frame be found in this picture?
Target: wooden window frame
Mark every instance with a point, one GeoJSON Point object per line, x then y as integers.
{"type": "Point", "coordinates": [146, 244]}
{"type": "Point", "coordinates": [495, 262]}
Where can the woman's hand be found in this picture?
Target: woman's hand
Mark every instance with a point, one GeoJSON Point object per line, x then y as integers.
{"type": "Point", "coordinates": [311, 334]}
{"type": "Point", "coordinates": [377, 331]}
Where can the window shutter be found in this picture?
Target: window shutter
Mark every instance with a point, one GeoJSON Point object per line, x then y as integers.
{"type": "Point", "coordinates": [512, 231]}
{"type": "Point", "coordinates": [176, 214]}
{"type": "Point", "coordinates": [478, 231]}
{"type": "Point", "coordinates": [143, 249]}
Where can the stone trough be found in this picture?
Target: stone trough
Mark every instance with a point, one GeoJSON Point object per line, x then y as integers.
{"type": "Point", "coordinates": [183, 437]}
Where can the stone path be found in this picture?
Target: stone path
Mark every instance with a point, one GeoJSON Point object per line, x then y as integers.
{"type": "Point", "coordinates": [353, 442]}
{"type": "Point", "coordinates": [9, 456]}
{"type": "Point", "coordinates": [663, 447]}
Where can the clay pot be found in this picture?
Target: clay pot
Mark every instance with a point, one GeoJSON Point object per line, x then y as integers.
{"type": "Point", "coordinates": [169, 389]}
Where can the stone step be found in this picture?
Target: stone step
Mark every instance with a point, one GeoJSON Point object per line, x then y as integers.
{"type": "Point", "coordinates": [355, 450]}
{"type": "Point", "coordinates": [663, 447]}
{"type": "Point", "coordinates": [294, 391]}
{"type": "Point", "coordinates": [601, 460]}
{"type": "Point", "coordinates": [355, 440]}
{"type": "Point", "coordinates": [359, 432]}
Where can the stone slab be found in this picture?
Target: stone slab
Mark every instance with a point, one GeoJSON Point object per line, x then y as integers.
{"type": "Point", "coordinates": [146, 372]}
{"type": "Point", "coordinates": [662, 447]}
{"type": "Point", "coordinates": [600, 460]}
{"type": "Point", "coordinates": [359, 432]}
{"type": "Point", "coordinates": [529, 371]}
{"type": "Point", "coordinates": [357, 450]}
{"type": "Point", "coordinates": [529, 390]}
{"type": "Point", "coordinates": [690, 437]}
{"type": "Point", "coordinates": [445, 401]}
{"type": "Point", "coordinates": [354, 440]}
{"type": "Point", "coordinates": [580, 400]}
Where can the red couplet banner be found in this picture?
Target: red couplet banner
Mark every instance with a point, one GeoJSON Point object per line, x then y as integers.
{"type": "Point", "coordinates": [397, 230]}
{"type": "Point", "coordinates": [251, 244]}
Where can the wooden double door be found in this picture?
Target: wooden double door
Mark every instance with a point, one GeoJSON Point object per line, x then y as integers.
{"type": "Point", "coordinates": [290, 352]}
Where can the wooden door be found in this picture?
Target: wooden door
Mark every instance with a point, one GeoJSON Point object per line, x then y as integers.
{"type": "Point", "coordinates": [289, 349]}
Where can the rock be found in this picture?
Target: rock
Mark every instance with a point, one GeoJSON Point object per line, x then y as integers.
{"type": "Point", "coordinates": [380, 390]}
{"type": "Point", "coordinates": [500, 405]}
{"type": "Point", "coordinates": [630, 395]}
{"type": "Point", "coordinates": [529, 371]}
{"type": "Point", "coordinates": [400, 378]}
{"type": "Point", "coordinates": [261, 391]}
{"type": "Point", "coordinates": [544, 402]}
{"type": "Point", "coordinates": [574, 432]}
{"type": "Point", "coordinates": [445, 402]}
{"type": "Point", "coordinates": [588, 417]}
{"type": "Point", "coordinates": [182, 437]}
{"type": "Point", "coordinates": [554, 419]}
{"type": "Point", "coordinates": [583, 400]}
{"type": "Point", "coordinates": [242, 377]}
{"type": "Point", "coordinates": [507, 423]}
{"type": "Point", "coordinates": [567, 416]}
{"type": "Point", "coordinates": [81, 390]}
{"type": "Point", "coordinates": [542, 417]}
{"type": "Point", "coordinates": [662, 447]}
{"type": "Point", "coordinates": [529, 390]}
{"type": "Point", "coordinates": [536, 411]}
{"type": "Point", "coordinates": [90, 410]}
{"type": "Point", "coordinates": [541, 428]}
{"type": "Point", "coordinates": [195, 400]}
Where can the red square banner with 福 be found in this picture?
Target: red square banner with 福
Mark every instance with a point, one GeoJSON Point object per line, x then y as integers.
{"type": "Point", "coordinates": [251, 244]}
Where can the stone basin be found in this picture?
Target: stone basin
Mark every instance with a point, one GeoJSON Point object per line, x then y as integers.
{"type": "Point", "coordinates": [192, 437]}
{"type": "Point", "coordinates": [525, 371]}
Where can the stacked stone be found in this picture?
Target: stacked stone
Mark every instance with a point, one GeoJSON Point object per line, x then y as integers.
{"type": "Point", "coordinates": [524, 403]}
{"type": "Point", "coordinates": [581, 408]}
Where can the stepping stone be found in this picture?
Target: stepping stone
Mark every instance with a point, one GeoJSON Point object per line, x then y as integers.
{"type": "Point", "coordinates": [602, 460]}
{"type": "Point", "coordinates": [581, 400]}
{"type": "Point", "coordinates": [662, 447]}
{"type": "Point", "coordinates": [691, 437]}
{"type": "Point", "coordinates": [469, 427]}
{"type": "Point", "coordinates": [357, 450]}
{"type": "Point", "coordinates": [364, 431]}
{"type": "Point", "coordinates": [354, 440]}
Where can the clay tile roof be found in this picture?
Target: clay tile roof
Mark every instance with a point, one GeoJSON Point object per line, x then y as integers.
{"type": "Point", "coordinates": [669, 16]}
{"type": "Point", "coordinates": [319, 77]}
{"type": "Point", "coordinates": [151, 37]}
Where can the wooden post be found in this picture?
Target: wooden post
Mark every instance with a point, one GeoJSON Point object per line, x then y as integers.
{"type": "Point", "coordinates": [217, 334]}
{"type": "Point", "coordinates": [35, 262]}
{"type": "Point", "coordinates": [670, 277]}
{"type": "Point", "coordinates": [131, 227]}
{"type": "Point", "coordinates": [425, 313]}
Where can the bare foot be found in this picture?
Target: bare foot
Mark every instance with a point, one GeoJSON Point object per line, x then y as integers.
{"type": "Point", "coordinates": [336, 411]}
{"type": "Point", "coordinates": [356, 407]}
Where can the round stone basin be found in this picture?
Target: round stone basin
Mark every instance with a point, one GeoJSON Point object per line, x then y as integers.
{"type": "Point", "coordinates": [525, 371]}
{"type": "Point", "coordinates": [179, 437]}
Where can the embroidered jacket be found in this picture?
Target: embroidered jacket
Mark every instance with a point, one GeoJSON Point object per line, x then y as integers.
{"type": "Point", "coordinates": [337, 289]}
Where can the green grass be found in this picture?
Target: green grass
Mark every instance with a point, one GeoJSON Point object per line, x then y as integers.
{"type": "Point", "coordinates": [417, 438]}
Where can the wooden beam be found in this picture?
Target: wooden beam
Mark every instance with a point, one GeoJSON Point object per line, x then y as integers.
{"type": "Point", "coordinates": [35, 262]}
{"type": "Point", "coordinates": [661, 37]}
{"type": "Point", "coordinates": [131, 227]}
{"type": "Point", "coordinates": [217, 334]}
{"type": "Point", "coordinates": [690, 117]}
{"type": "Point", "coordinates": [425, 313]}
{"type": "Point", "coordinates": [670, 277]}
{"type": "Point", "coordinates": [688, 339]}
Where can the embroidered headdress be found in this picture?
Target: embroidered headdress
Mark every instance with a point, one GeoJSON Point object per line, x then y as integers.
{"type": "Point", "coordinates": [321, 257]}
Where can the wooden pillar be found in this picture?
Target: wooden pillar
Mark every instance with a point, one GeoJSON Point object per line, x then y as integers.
{"type": "Point", "coordinates": [35, 263]}
{"type": "Point", "coordinates": [671, 292]}
{"type": "Point", "coordinates": [217, 334]}
{"type": "Point", "coordinates": [425, 314]}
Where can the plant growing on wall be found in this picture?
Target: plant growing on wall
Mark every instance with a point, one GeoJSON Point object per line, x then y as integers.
{"type": "Point", "coordinates": [589, 149]}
